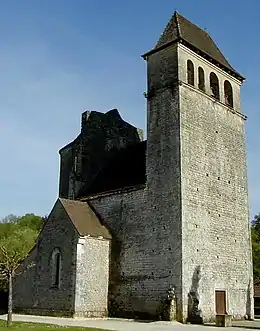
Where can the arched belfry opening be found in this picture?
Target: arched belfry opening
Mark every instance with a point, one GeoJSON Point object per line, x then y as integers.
{"type": "Point", "coordinates": [228, 93]}
{"type": "Point", "coordinates": [214, 85]}
{"type": "Point", "coordinates": [201, 75]}
{"type": "Point", "coordinates": [190, 72]}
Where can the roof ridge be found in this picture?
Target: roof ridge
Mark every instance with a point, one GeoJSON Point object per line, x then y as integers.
{"type": "Point", "coordinates": [176, 15]}
{"type": "Point", "coordinates": [203, 30]}
{"type": "Point", "coordinates": [195, 25]}
{"type": "Point", "coordinates": [181, 29]}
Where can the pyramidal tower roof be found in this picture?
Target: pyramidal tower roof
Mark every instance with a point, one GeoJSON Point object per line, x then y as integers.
{"type": "Point", "coordinates": [179, 29]}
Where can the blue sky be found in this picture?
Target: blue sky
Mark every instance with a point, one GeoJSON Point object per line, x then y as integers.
{"type": "Point", "coordinates": [59, 57]}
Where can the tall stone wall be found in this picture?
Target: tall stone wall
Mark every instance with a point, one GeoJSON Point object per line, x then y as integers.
{"type": "Point", "coordinates": [92, 277]}
{"type": "Point", "coordinates": [100, 137]}
{"type": "Point", "coordinates": [141, 268]}
{"type": "Point", "coordinates": [197, 179]}
{"type": "Point", "coordinates": [163, 163]}
{"type": "Point", "coordinates": [215, 216]}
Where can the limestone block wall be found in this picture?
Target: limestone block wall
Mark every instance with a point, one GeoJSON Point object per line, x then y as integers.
{"type": "Point", "coordinates": [59, 233]}
{"type": "Point", "coordinates": [101, 135]}
{"type": "Point", "coordinates": [197, 177]}
{"type": "Point", "coordinates": [92, 277]}
{"type": "Point", "coordinates": [142, 250]}
{"type": "Point", "coordinates": [163, 164]}
{"type": "Point", "coordinates": [23, 283]}
{"type": "Point", "coordinates": [215, 215]}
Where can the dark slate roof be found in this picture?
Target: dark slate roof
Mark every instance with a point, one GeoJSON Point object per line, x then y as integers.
{"type": "Point", "coordinates": [84, 219]}
{"type": "Point", "coordinates": [179, 29]}
{"type": "Point", "coordinates": [125, 168]}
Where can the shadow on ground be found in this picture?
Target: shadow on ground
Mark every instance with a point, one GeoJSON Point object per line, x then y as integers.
{"type": "Point", "coordinates": [144, 321]}
{"type": "Point", "coordinates": [247, 324]}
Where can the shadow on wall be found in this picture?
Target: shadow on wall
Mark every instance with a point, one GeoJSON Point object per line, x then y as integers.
{"type": "Point", "coordinates": [248, 301]}
{"type": "Point", "coordinates": [194, 313]}
{"type": "Point", "coordinates": [3, 302]}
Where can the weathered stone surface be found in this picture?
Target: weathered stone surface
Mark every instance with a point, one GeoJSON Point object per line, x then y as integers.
{"type": "Point", "coordinates": [81, 160]}
{"type": "Point", "coordinates": [196, 154]}
{"type": "Point", "coordinates": [215, 214]}
{"type": "Point", "coordinates": [92, 277]}
{"type": "Point", "coordinates": [58, 232]}
{"type": "Point", "coordinates": [224, 321]}
{"type": "Point", "coordinates": [187, 228]}
{"type": "Point", "coordinates": [84, 272]}
{"type": "Point", "coordinates": [23, 286]}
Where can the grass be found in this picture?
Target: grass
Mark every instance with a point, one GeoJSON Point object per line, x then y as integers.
{"type": "Point", "coordinates": [43, 327]}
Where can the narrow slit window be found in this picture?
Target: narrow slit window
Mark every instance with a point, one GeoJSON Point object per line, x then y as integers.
{"type": "Point", "coordinates": [56, 267]}
{"type": "Point", "coordinates": [57, 271]}
{"type": "Point", "coordinates": [190, 72]}
{"type": "Point", "coordinates": [201, 79]}
{"type": "Point", "coordinates": [228, 93]}
{"type": "Point", "coordinates": [75, 163]}
{"type": "Point", "coordinates": [214, 85]}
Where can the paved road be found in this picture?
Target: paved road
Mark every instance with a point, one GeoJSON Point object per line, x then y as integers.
{"type": "Point", "coordinates": [128, 325]}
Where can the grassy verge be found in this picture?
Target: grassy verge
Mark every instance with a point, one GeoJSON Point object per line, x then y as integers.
{"type": "Point", "coordinates": [43, 327]}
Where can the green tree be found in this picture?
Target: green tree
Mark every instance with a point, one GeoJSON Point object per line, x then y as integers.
{"type": "Point", "coordinates": [255, 232]}
{"type": "Point", "coordinates": [17, 237]}
{"type": "Point", "coordinates": [30, 221]}
{"type": "Point", "coordinates": [13, 250]}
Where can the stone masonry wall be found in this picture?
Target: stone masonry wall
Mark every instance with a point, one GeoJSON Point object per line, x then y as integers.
{"type": "Point", "coordinates": [23, 283]}
{"type": "Point", "coordinates": [58, 232]}
{"type": "Point", "coordinates": [101, 135]}
{"type": "Point", "coordinates": [163, 164]}
{"type": "Point", "coordinates": [66, 167]}
{"type": "Point", "coordinates": [92, 277]}
{"type": "Point", "coordinates": [140, 271]}
{"type": "Point", "coordinates": [215, 216]}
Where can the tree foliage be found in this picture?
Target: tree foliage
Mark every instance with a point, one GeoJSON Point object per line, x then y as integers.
{"type": "Point", "coordinates": [16, 233]}
{"type": "Point", "coordinates": [31, 221]}
{"type": "Point", "coordinates": [255, 233]}
{"type": "Point", "coordinates": [14, 248]}
{"type": "Point", "coordinates": [17, 237]}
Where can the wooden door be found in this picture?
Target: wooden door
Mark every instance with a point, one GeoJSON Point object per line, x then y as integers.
{"type": "Point", "coordinates": [220, 301]}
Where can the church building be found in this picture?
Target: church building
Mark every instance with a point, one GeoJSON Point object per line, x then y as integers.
{"type": "Point", "coordinates": [158, 228]}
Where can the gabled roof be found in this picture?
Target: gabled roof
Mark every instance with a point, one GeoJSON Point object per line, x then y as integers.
{"type": "Point", "coordinates": [84, 219]}
{"type": "Point", "coordinates": [179, 29]}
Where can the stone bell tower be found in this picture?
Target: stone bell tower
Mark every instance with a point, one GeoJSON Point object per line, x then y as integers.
{"type": "Point", "coordinates": [197, 174]}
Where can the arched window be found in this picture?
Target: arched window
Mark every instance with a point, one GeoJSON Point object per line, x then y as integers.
{"type": "Point", "coordinates": [56, 267]}
{"type": "Point", "coordinates": [190, 73]}
{"type": "Point", "coordinates": [201, 79]}
{"type": "Point", "coordinates": [214, 85]}
{"type": "Point", "coordinates": [228, 93]}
